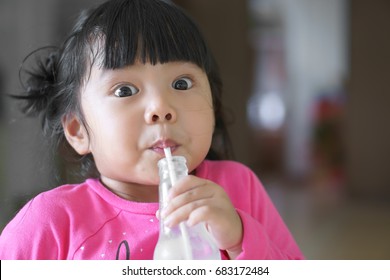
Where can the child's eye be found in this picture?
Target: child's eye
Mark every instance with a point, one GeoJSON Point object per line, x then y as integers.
{"type": "Point", "coordinates": [182, 84]}
{"type": "Point", "coordinates": [126, 90]}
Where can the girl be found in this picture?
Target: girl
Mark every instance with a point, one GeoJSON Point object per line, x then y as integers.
{"type": "Point", "coordinates": [135, 77]}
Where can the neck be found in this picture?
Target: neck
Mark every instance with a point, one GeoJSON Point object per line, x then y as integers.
{"type": "Point", "coordinates": [132, 192]}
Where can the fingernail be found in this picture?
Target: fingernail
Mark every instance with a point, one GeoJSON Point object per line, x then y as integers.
{"type": "Point", "coordinates": [158, 214]}
{"type": "Point", "coordinates": [189, 223]}
{"type": "Point", "coordinates": [168, 222]}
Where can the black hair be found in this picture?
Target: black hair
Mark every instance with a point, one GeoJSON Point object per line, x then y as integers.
{"type": "Point", "coordinates": [115, 34]}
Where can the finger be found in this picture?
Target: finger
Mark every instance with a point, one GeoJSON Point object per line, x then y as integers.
{"type": "Point", "coordinates": [190, 196]}
{"type": "Point", "coordinates": [203, 213]}
{"type": "Point", "coordinates": [185, 184]}
{"type": "Point", "coordinates": [183, 213]}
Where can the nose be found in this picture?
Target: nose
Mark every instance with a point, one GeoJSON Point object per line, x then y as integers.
{"type": "Point", "coordinates": [159, 111]}
{"type": "Point", "coordinates": [156, 117]}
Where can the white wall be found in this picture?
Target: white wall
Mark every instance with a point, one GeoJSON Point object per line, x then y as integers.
{"type": "Point", "coordinates": [316, 45]}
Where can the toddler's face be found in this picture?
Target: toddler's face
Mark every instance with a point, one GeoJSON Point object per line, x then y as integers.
{"type": "Point", "coordinates": [135, 112]}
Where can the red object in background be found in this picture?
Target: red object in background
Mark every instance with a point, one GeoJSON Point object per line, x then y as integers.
{"type": "Point", "coordinates": [328, 140]}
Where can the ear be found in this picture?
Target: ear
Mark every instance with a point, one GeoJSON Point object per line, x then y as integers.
{"type": "Point", "coordinates": [76, 134]}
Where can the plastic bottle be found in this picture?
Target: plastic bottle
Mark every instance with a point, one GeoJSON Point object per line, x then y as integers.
{"type": "Point", "coordinates": [180, 242]}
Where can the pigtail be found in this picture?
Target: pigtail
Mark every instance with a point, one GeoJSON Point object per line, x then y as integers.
{"type": "Point", "coordinates": [39, 81]}
{"type": "Point", "coordinates": [38, 77]}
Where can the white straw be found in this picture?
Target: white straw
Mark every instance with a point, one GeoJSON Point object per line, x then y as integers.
{"type": "Point", "coordinates": [172, 176]}
{"type": "Point", "coordinates": [171, 168]}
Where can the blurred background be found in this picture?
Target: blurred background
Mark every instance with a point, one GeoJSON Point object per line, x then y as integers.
{"type": "Point", "coordinates": [306, 88]}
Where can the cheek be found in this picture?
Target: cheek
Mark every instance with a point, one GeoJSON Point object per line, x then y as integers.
{"type": "Point", "coordinates": [114, 146]}
{"type": "Point", "coordinates": [116, 135]}
{"type": "Point", "coordinates": [110, 129]}
{"type": "Point", "coordinates": [200, 117]}
{"type": "Point", "coordinates": [200, 127]}
{"type": "Point", "coordinates": [201, 123]}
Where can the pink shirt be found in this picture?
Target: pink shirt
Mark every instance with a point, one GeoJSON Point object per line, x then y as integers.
{"type": "Point", "coordinates": [87, 221]}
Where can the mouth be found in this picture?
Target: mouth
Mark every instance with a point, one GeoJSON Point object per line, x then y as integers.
{"type": "Point", "coordinates": [160, 145]}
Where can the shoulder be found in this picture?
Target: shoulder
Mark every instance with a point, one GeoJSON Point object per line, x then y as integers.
{"type": "Point", "coordinates": [226, 168]}
{"type": "Point", "coordinates": [45, 210]}
{"type": "Point", "coordinates": [230, 175]}
{"type": "Point", "coordinates": [239, 182]}
{"type": "Point", "coordinates": [64, 195]}
{"type": "Point", "coordinates": [58, 203]}
{"type": "Point", "coordinates": [54, 220]}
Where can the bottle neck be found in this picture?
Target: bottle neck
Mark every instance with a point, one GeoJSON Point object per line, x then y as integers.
{"type": "Point", "coordinates": [168, 173]}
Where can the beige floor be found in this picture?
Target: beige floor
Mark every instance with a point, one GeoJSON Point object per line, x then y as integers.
{"type": "Point", "coordinates": [332, 226]}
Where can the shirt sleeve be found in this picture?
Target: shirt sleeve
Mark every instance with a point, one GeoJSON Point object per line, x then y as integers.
{"type": "Point", "coordinates": [31, 234]}
{"type": "Point", "coordinates": [265, 235]}
{"type": "Point", "coordinates": [260, 242]}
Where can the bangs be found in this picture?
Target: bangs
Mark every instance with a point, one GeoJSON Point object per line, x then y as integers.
{"type": "Point", "coordinates": [147, 31]}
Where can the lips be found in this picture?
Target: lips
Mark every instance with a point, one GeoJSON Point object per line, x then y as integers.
{"type": "Point", "coordinates": [160, 145]}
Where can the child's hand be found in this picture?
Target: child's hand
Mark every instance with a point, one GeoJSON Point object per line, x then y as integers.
{"type": "Point", "coordinates": [199, 200]}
